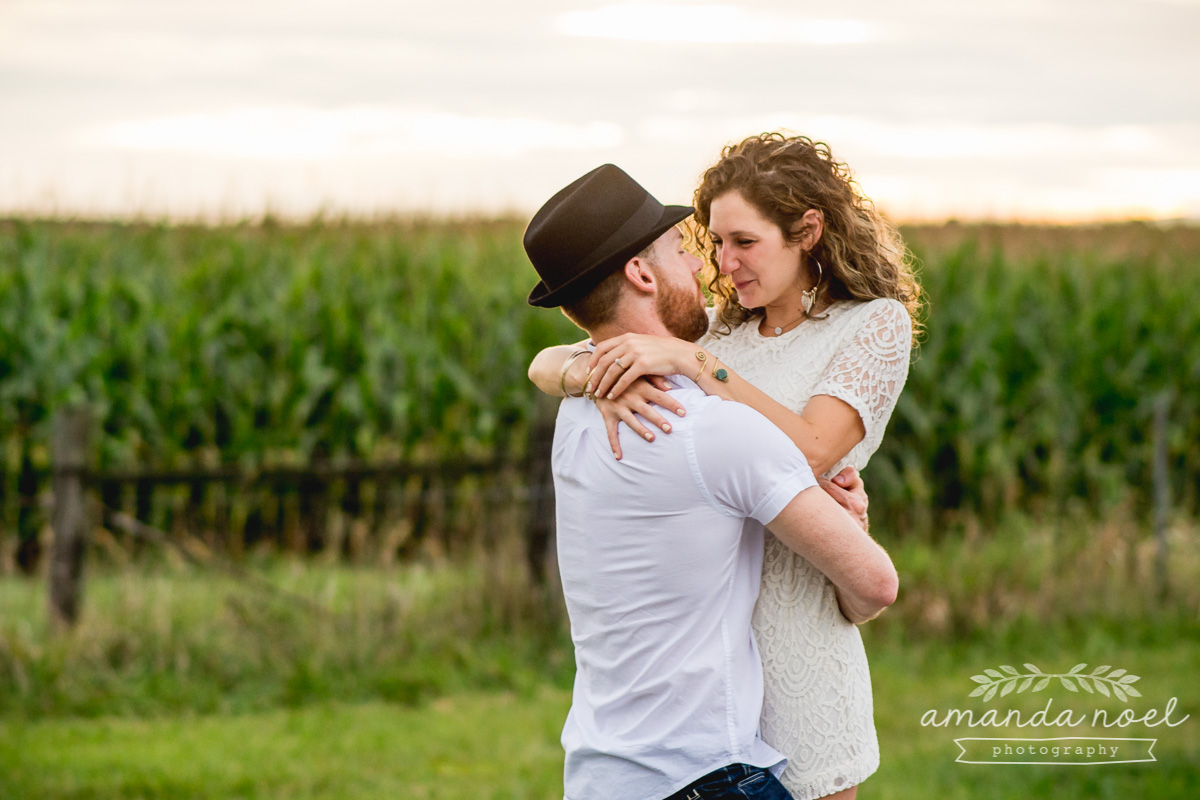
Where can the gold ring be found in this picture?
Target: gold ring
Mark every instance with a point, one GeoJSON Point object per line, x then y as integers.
{"type": "Point", "coordinates": [617, 361]}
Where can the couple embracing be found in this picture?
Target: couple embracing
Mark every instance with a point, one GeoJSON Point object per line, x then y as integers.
{"type": "Point", "coordinates": [713, 574]}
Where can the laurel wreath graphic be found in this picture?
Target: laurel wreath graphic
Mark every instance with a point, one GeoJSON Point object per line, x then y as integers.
{"type": "Point", "coordinates": [1117, 682]}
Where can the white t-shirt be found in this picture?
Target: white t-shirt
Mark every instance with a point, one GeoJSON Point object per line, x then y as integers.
{"type": "Point", "coordinates": [661, 557]}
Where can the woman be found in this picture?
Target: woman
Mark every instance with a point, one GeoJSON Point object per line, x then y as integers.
{"type": "Point", "coordinates": [812, 326]}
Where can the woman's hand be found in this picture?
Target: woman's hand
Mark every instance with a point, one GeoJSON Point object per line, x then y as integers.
{"type": "Point", "coordinates": [639, 354]}
{"type": "Point", "coordinates": [848, 489]}
{"type": "Point", "coordinates": [641, 398]}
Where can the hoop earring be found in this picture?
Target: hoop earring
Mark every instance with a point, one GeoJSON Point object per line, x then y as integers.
{"type": "Point", "coordinates": [809, 296]}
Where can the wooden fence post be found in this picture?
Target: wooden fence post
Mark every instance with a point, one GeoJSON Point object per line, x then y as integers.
{"type": "Point", "coordinates": [68, 514]}
{"type": "Point", "coordinates": [541, 552]}
{"type": "Point", "coordinates": [1162, 491]}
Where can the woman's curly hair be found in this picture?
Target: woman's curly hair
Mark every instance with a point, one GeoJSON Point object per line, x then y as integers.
{"type": "Point", "coordinates": [862, 255]}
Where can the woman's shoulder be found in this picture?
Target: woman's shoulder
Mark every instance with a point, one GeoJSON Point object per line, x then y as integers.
{"type": "Point", "coordinates": [882, 307]}
{"type": "Point", "coordinates": [881, 326]}
{"type": "Point", "coordinates": [881, 314]}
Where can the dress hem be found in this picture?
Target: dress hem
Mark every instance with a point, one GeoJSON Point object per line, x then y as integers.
{"type": "Point", "coordinates": [822, 785]}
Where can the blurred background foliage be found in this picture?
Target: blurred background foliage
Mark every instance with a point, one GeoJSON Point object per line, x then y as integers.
{"type": "Point", "coordinates": [266, 345]}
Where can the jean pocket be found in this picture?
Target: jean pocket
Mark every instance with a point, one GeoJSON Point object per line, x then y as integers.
{"type": "Point", "coordinates": [751, 780]}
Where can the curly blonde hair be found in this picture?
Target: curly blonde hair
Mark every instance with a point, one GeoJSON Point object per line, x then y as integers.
{"type": "Point", "coordinates": [862, 255]}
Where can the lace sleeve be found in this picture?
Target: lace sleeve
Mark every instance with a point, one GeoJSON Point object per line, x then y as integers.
{"type": "Point", "coordinates": [870, 368]}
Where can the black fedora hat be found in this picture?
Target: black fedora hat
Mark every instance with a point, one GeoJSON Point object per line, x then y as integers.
{"type": "Point", "coordinates": [591, 228]}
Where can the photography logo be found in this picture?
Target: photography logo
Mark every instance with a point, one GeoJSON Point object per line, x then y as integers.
{"type": "Point", "coordinates": [1073, 750]}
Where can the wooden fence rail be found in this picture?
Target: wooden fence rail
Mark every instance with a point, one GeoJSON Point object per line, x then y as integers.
{"type": "Point", "coordinates": [390, 510]}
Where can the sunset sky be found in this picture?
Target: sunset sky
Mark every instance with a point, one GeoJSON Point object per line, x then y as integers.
{"type": "Point", "coordinates": [1023, 109]}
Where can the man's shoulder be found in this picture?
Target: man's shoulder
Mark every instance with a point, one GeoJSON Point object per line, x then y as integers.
{"type": "Point", "coordinates": [727, 428]}
{"type": "Point", "coordinates": [705, 412]}
{"type": "Point", "coordinates": [732, 426]}
{"type": "Point", "coordinates": [744, 464]}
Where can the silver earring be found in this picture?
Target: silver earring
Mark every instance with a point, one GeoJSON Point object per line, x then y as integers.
{"type": "Point", "coordinates": [809, 296]}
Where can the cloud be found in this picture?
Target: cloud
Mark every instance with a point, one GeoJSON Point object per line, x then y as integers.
{"type": "Point", "coordinates": [932, 139]}
{"type": "Point", "coordinates": [941, 107]}
{"type": "Point", "coordinates": [283, 133]}
{"type": "Point", "coordinates": [711, 24]}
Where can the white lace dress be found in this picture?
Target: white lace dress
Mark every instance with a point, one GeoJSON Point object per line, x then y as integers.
{"type": "Point", "coordinates": [817, 703]}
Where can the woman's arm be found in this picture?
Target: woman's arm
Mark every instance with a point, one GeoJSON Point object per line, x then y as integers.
{"type": "Point", "coordinates": [546, 370]}
{"type": "Point", "coordinates": [825, 432]}
{"type": "Point", "coordinates": [852, 400]}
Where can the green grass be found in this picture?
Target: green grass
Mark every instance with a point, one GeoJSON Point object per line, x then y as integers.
{"type": "Point", "coordinates": [465, 745]}
{"type": "Point", "coordinates": [912, 676]}
{"type": "Point", "coordinates": [503, 745]}
{"type": "Point", "coordinates": [448, 680]}
{"type": "Point", "coordinates": [165, 639]}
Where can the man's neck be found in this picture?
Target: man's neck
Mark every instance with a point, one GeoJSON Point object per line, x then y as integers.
{"type": "Point", "coordinates": [617, 327]}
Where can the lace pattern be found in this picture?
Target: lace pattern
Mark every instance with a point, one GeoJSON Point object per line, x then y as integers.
{"type": "Point", "coordinates": [817, 707]}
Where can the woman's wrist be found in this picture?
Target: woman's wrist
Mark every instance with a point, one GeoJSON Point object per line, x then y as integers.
{"type": "Point", "coordinates": [580, 375]}
{"type": "Point", "coordinates": [572, 380]}
{"type": "Point", "coordinates": [710, 365]}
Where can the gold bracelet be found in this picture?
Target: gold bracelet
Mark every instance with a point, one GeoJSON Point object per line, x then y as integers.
{"type": "Point", "coordinates": [719, 372]}
{"type": "Point", "coordinates": [562, 375]}
{"type": "Point", "coordinates": [703, 357]}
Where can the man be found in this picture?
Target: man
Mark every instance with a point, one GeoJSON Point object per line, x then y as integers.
{"type": "Point", "coordinates": [661, 552]}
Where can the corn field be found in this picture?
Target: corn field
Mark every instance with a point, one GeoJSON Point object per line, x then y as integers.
{"type": "Point", "coordinates": [282, 345]}
{"type": "Point", "coordinates": [1046, 352]}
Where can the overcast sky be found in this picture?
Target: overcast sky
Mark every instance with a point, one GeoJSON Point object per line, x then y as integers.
{"type": "Point", "coordinates": [1030, 109]}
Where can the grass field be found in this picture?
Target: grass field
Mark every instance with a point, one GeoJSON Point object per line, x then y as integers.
{"type": "Point", "coordinates": [463, 745]}
{"type": "Point", "coordinates": [452, 681]}
{"type": "Point", "coordinates": [505, 745]}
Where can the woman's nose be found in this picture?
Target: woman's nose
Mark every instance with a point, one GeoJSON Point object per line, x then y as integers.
{"type": "Point", "coordinates": [725, 261]}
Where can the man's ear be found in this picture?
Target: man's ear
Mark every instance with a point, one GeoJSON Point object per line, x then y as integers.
{"type": "Point", "coordinates": [640, 276]}
{"type": "Point", "coordinates": [809, 228]}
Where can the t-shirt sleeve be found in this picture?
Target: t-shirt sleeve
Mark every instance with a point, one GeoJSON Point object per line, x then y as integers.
{"type": "Point", "coordinates": [871, 367]}
{"type": "Point", "coordinates": [744, 465]}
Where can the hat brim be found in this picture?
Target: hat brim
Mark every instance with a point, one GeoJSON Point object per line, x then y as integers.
{"type": "Point", "coordinates": [590, 275]}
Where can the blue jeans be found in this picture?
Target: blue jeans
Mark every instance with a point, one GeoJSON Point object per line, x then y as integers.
{"type": "Point", "coordinates": [734, 782]}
